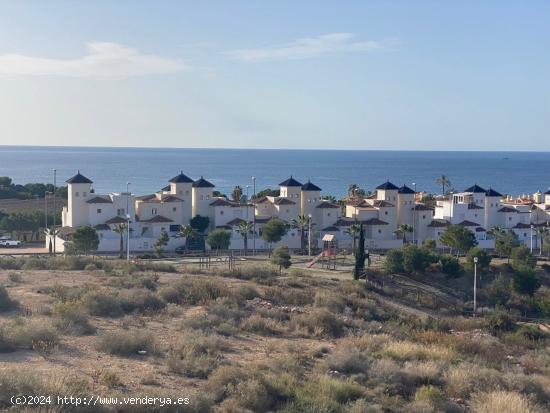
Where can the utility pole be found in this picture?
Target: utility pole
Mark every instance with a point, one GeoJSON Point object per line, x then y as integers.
{"type": "Point", "coordinates": [54, 208]}
{"type": "Point", "coordinates": [309, 235]}
{"type": "Point", "coordinates": [254, 217]}
{"type": "Point", "coordinates": [475, 285]}
{"type": "Point", "coordinates": [128, 223]}
{"type": "Point", "coordinates": [414, 214]}
{"type": "Point", "coordinates": [532, 227]}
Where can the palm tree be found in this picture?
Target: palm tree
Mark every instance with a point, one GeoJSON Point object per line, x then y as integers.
{"type": "Point", "coordinates": [444, 182]}
{"type": "Point", "coordinates": [302, 224]}
{"type": "Point", "coordinates": [402, 231]}
{"type": "Point", "coordinates": [237, 194]}
{"type": "Point", "coordinates": [121, 230]}
{"type": "Point", "coordinates": [188, 232]}
{"type": "Point", "coordinates": [542, 233]}
{"type": "Point", "coordinates": [245, 228]}
{"type": "Point", "coordinates": [353, 231]}
{"type": "Point", "coordinates": [496, 231]}
{"type": "Point", "coordinates": [51, 232]}
{"type": "Point", "coordinates": [330, 198]}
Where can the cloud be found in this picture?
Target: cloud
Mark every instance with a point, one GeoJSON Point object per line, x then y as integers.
{"type": "Point", "coordinates": [307, 48]}
{"type": "Point", "coordinates": [104, 59]}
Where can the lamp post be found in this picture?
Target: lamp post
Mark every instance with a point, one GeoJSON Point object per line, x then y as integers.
{"type": "Point", "coordinates": [54, 209]}
{"type": "Point", "coordinates": [309, 235]}
{"type": "Point", "coordinates": [532, 227]}
{"type": "Point", "coordinates": [254, 216]}
{"type": "Point", "coordinates": [247, 202]}
{"type": "Point", "coordinates": [46, 209]}
{"type": "Point", "coordinates": [475, 285]}
{"type": "Point", "coordinates": [128, 223]}
{"type": "Point", "coordinates": [414, 214]}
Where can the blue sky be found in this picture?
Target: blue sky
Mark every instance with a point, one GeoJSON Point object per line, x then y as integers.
{"type": "Point", "coordinates": [431, 75]}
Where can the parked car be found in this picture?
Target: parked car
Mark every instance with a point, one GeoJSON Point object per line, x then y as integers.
{"type": "Point", "coordinates": [10, 243]}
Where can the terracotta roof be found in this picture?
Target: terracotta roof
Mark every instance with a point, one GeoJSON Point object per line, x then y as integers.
{"type": "Point", "coordinates": [345, 222]}
{"type": "Point", "coordinates": [476, 189]}
{"type": "Point", "coordinates": [284, 201]}
{"type": "Point", "coordinates": [507, 209]}
{"type": "Point", "coordinates": [116, 220]}
{"type": "Point", "coordinates": [223, 202]}
{"type": "Point", "coordinates": [474, 206]}
{"type": "Point", "coordinates": [521, 225]}
{"type": "Point", "coordinates": [382, 203]}
{"type": "Point", "coordinates": [262, 200]}
{"type": "Point", "coordinates": [331, 228]}
{"type": "Point", "coordinates": [290, 182]}
{"type": "Point", "coordinates": [467, 223]}
{"type": "Point", "coordinates": [547, 192]}
{"type": "Point", "coordinates": [492, 192]}
{"type": "Point", "coordinates": [223, 227]}
{"type": "Point", "coordinates": [165, 189]}
{"type": "Point", "coordinates": [102, 227]}
{"type": "Point", "coordinates": [157, 219]}
{"type": "Point", "coordinates": [374, 221]}
{"type": "Point", "coordinates": [387, 186]}
{"type": "Point", "coordinates": [405, 190]}
{"type": "Point", "coordinates": [181, 178]}
{"type": "Point", "coordinates": [171, 198]}
{"type": "Point", "coordinates": [480, 229]}
{"type": "Point", "coordinates": [439, 223]}
{"type": "Point", "coordinates": [422, 207]}
{"type": "Point", "coordinates": [149, 197]}
{"type": "Point", "coordinates": [327, 204]}
{"type": "Point", "coordinates": [65, 232]}
{"type": "Point", "coordinates": [263, 220]}
{"type": "Point", "coordinates": [202, 183]}
{"type": "Point", "coordinates": [79, 179]}
{"type": "Point", "coordinates": [235, 221]}
{"type": "Point", "coordinates": [100, 200]}
{"type": "Point", "coordinates": [309, 186]}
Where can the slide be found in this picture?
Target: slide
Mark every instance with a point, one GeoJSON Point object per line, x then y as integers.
{"type": "Point", "coordinates": [312, 263]}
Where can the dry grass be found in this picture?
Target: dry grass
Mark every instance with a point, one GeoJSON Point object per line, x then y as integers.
{"type": "Point", "coordinates": [503, 402]}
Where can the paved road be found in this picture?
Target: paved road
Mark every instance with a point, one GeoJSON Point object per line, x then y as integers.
{"type": "Point", "coordinates": [23, 251]}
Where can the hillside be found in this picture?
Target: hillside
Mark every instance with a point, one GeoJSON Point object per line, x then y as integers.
{"type": "Point", "coordinates": [252, 340]}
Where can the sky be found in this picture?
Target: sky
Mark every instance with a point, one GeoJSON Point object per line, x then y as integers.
{"type": "Point", "coordinates": [398, 75]}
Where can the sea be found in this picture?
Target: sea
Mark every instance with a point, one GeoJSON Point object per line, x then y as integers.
{"type": "Point", "coordinates": [149, 169]}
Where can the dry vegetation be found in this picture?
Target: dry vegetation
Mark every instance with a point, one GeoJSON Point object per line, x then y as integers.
{"type": "Point", "coordinates": [252, 341]}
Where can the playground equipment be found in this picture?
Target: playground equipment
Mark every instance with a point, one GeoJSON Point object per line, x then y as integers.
{"type": "Point", "coordinates": [327, 257]}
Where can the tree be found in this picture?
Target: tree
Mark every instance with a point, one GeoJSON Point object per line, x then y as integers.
{"type": "Point", "coordinates": [402, 231]}
{"type": "Point", "coordinates": [281, 258]}
{"type": "Point", "coordinates": [268, 192]}
{"type": "Point", "coordinates": [161, 242]}
{"type": "Point", "coordinates": [522, 257]}
{"type": "Point", "coordinates": [302, 224]}
{"type": "Point", "coordinates": [219, 239]}
{"type": "Point", "coordinates": [355, 192]}
{"type": "Point", "coordinates": [416, 260]}
{"type": "Point", "coordinates": [505, 241]}
{"type": "Point", "coordinates": [330, 198]}
{"type": "Point", "coordinates": [444, 181]}
{"type": "Point", "coordinates": [199, 223]}
{"type": "Point", "coordinates": [353, 232]}
{"type": "Point", "coordinates": [245, 228]}
{"type": "Point", "coordinates": [429, 244]}
{"type": "Point", "coordinates": [51, 233]}
{"type": "Point", "coordinates": [394, 261]}
{"type": "Point", "coordinates": [542, 233]}
{"type": "Point", "coordinates": [237, 194]}
{"type": "Point", "coordinates": [274, 231]}
{"type": "Point", "coordinates": [85, 240]}
{"type": "Point", "coordinates": [459, 238]}
{"type": "Point", "coordinates": [450, 265]}
{"type": "Point", "coordinates": [525, 280]}
{"type": "Point", "coordinates": [187, 232]}
{"type": "Point", "coordinates": [483, 260]}
{"type": "Point", "coordinates": [121, 230]}
{"type": "Point", "coordinates": [360, 254]}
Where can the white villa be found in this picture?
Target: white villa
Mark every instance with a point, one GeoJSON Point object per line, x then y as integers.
{"type": "Point", "coordinates": [381, 214]}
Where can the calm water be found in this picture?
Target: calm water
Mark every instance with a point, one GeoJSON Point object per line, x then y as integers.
{"type": "Point", "coordinates": [149, 169]}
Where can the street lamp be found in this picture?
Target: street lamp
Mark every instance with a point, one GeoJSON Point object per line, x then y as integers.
{"type": "Point", "coordinates": [532, 227]}
{"type": "Point", "coordinates": [247, 201]}
{"type": "Point", "coordinates": [54, 208]}
{"type": "Point", "coordinates": [309, 235]}
{"type": "Point", "coordinates": [254, 216]}
{"type": "Point", "coordinates": [475, 284]}
{"type": "Point", "coordinates": [128, 223]}
{"type": "Point", "coordinates": [414, 214]}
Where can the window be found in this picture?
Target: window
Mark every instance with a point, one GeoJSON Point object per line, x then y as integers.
{"type": "Point", "coordinates": [202, 197]}
{"type": "Point", "coordinates": [153, 211]}
{"type": "Point", "coordinates": [120, 212]}
{"type": "Point", "coordinates": [221, 212]}
{"type": "Point", "coordinates": [174, 228]}
{"type": "Point", "coordinates": [379, 231]}
{"type": "Point", "coordinates": [328, 214]}
{"type": "Point", "coordinates": [76, 194]}
{"type": "Point", "coordinates": [174, 209]}
{"type": "Point", "coordinates": [187, 192]}
{"type": "Point", "coordinates": [385, 212]}
{"type": "Point", "coordinates": [83, 193]}
{"type": "Point", "coordinates": [207, 196]}
{"type": "Point", "coordinates": [99, 210]}
{"type": "Point", "coordinates": [525, 234]}
{"type": "Point", "coordinates": [423, 216]}
{"type": "Point", "coordinates": [509, 218]}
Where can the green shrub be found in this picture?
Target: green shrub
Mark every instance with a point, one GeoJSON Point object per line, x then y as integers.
{"type": "Point", "coordinates": [110, 379]}
{"type": "Point", "coordinates": [429, 394]}
{"type": "Point", "coordinates": [102, 304]}
{"type": "Point", "coordinates": [32, 335]}
{"type": "Point", "coordinates": [126, 343]}
{"type": "Point", "coordinates": [6, 303]}
{"type": "Point", "coordinates": [320, 322]}
{"type": "Point", "coordinates": [15, 277]}
{"type": "Point", "coordinates": [483, 260]}
{"type": "Point", "coordinates": [260, 325]}
{"type": "Point", "coordinates": [525, 280]}
{"type": "Point", "coordinates": [394, 261]}
{"type": "Point", "coordinates": [498, 292]}
{"type": "Point", "coordinates": [500, 321]}
{"type": "Point", "coordinates": [417, 260]}
{"type": "Point", "coordinates": [288, 296]}
{"type": "Point", "coordinates": [450, 265]}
